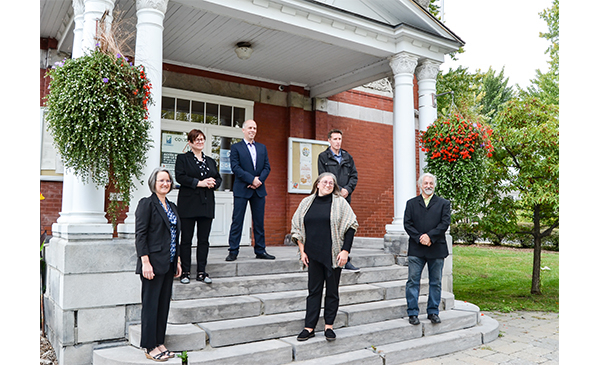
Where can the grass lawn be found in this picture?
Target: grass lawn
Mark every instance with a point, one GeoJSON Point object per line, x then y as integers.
{"type": "Point", "coordinates": [499, 279]}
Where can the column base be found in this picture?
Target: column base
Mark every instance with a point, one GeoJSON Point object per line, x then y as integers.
{"type": "Point", "coordinates": [126, 230]}
{"type": "Point", "coordinates": [83, 231]}
{"type": "Point", "coordinates": [395, 241]}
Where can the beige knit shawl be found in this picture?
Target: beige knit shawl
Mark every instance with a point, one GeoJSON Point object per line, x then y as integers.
{"type": "Point", "coordinates": [342, 218]}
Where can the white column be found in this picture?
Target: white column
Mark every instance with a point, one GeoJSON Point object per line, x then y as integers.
{"type": "Point", "coordinates": [83, 202]}
{"type": "Point", "coordinates": [426, 73]}
{"type": "Point", "coordinates": [403, 66]}
{"type": "Point", "coordinates": [68, 177]}
{"type": "Point", "coordinates": [149, 53]}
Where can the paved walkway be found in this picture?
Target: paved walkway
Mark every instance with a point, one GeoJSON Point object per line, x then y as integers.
{"type": "Point", "coordinates": [525, 338]}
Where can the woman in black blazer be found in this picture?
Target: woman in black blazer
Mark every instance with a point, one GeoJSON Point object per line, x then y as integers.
{"type": "Point", "coordinates": [198, 177]}
{"type": "Point", "coordinates": [157, 229]}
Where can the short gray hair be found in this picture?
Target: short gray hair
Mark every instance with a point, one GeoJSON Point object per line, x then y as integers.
{"type": "Point", "coordinates": [427, 174]}
{"type": "Point", "coordinates": [154, 176]}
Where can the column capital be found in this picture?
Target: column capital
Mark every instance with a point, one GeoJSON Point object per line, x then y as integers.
{"type": "Point", "coordinates": [428, 69]}
{"type": "Point", "coordinates": [160, 5]}
{"type": "Point", "coordinates": [402, 63]}
{"type": "Point", "coordinates": [78, 7]}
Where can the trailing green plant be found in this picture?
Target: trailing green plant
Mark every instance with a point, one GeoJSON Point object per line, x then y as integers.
{"type": "Point", "coordinates": [98, 117]}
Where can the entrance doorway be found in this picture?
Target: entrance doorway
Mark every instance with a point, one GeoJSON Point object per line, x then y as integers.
{"type": "Point", "coordinates": [220, 119]}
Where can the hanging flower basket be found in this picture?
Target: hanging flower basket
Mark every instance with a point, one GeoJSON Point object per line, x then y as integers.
{"type": "Point", "coordinates": [456, 152]}
{"type": "Point", "coordinates": [98, 117]}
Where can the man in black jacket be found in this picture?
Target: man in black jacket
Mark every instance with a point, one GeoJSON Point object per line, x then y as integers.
{"type": "Point", "coordinates": [426, 219]}
{"type": "Point", "coordinates": [340, 163]}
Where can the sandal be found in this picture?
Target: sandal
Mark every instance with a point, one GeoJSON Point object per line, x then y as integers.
{"type": "Point", "coordinates": [158, 357]}
{"type": "Point", "coordinates": [168, 353]}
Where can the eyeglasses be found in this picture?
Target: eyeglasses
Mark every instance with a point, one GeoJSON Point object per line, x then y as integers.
{"type": "Point", "coordinates": [327, 183]}
{"type": "Point", "coordinates": [199, 140]}
{"type": "Point", "coordinates": [164, 181]}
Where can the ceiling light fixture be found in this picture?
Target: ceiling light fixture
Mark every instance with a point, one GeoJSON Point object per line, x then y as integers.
{"type": "Point", "coordinates": [243, 50]}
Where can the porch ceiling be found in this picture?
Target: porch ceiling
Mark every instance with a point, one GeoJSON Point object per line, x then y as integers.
{"type": "Point", "coordinates": [325, 46]}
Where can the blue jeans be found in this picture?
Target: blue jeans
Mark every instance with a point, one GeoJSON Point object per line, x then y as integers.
{"type": "Point", "coordinates": [413, 285]}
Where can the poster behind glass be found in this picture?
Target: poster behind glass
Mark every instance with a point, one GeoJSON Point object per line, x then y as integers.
{"type": "Point", "coordinates": [172, 144]}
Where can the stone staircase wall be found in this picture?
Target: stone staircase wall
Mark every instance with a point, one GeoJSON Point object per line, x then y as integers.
{"type": "Point", "coordinates": [255, 308]}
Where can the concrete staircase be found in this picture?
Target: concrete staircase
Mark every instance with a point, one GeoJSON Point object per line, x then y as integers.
{"type": "Point", "coordinates": [254, 310]}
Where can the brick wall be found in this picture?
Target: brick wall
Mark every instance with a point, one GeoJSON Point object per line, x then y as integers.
{"type": "Point", "coordinates": [372, 149]}
{"type": "Point", "coordinates": [51, 205]}
{"type": "Point", "coordinates": [44, 82]}
{"type": "Point", "coordinates": [273, 129]}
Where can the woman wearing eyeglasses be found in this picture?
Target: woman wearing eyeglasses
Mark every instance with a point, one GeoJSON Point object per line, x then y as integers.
{"type": "Point", "coordinates": [157, 245]}
{"type": "Point", "coordinates": [323, 227]}
{"type": "Point", "coordinates": [198, 177]}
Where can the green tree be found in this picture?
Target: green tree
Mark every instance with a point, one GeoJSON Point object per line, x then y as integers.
{"type": "Point", "coordinates": [545, 85]}
{"type": "Point", "coordinates": [467, 94]}
{"type": "Point", "coordinates": [525, 161]}
{"type": "Point", "coordinates": [496, 93]}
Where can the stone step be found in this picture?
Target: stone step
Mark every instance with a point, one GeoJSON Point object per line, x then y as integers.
{"type": "Point", "coordinates": [216, 309]}
{"type": "Point", "coordinates": [365, 344]}
{"type": "Point", "coordinates": [414, 349]}
{"type": "Point", "coordinates": [292, 301]}
{"type": "Point", "coordinates": [244, 330]}
{"type": "Point", "coordinates": [360, 357]}
{"type": "Point", "coordinates": [260, 284]}
{"type": "Point", "coordinates": [264, 327]}
{"type": "Point", "coordinates": [213, 309]}
{"type": "Point", "coordinates": [388, 309]}
{"type": "Point", "coordinates": [440, 344]}
{"type": "Point", "coordinates": [378, 333]}
{"type": "Point", "coordinates": [270, 352]}
{"type": "Point", "coordinates": [179, 337]}
{"type": "Point", "coordinates": [124, 355]}
{"type": "Point", "coordinates": [247, 265]}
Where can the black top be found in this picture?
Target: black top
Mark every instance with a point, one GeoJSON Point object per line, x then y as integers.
{"type": "Point", "coordinates": [194, 201]}
{"type": "Point", "coordinates": [317, 223]}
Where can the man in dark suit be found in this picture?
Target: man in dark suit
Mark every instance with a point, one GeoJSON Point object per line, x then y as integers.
{"type": "Point", "coordinates": [426, 219]}
{"type": "Point", "coordinates": [250, 165]}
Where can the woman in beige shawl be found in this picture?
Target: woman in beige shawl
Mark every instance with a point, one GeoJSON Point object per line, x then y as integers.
{"type": "Point", "coordinates": [323, 227]}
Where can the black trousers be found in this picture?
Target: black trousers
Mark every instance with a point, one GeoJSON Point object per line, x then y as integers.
{"type": "Point", "coordinates": [156, 299]}
{"type": "Point", "coordinates": [317, 276]}
{"type": "Point", "coordinates": [187, 232]}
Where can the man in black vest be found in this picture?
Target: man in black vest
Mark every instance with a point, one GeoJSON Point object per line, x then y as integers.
{"type": "Point", "coordinates": [426, 219]}
{"type": "Point", "coordinates": [340, 163]}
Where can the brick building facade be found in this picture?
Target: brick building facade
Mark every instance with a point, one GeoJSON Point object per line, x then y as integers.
{"type": "Point", "coordinates": [370, 143]}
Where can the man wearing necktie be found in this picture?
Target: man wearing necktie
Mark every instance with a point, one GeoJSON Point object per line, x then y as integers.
{"type": "Point", "coordinates": [250, 166]}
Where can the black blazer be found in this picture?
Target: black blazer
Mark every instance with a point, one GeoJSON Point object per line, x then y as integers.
{"type": "Point", "coordinates": [192, 200]}
{"type": "Point", "coordinates": [153, 235]}
{"type": "Point", "coordinates": [433, 220]}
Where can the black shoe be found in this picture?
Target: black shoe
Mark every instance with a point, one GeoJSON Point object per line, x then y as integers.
{"type": "Point", "coordinates": [413, 320]}
{"type": "Point", "coordinates": [185, 278]}
{"type": "Point", "coordinates": [202, 276]}
{"type": "Point", "coordinates": [434, 318]}
{"type": "Point", "coordinates": [305, 335]}
{"type": "Point", "coordinates": [231, 257]}
{"type": "Point", "coordinates": [265, 256]}
{"type": "Point", "coordinates": [329, 334]}
{"type": "Point", "coordinates": [351, 267]}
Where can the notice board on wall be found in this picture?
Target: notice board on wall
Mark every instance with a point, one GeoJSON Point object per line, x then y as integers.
{"type": "Point", "coordinates": [303, 168]}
